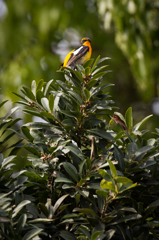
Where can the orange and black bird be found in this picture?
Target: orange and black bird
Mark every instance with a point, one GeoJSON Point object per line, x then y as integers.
{"type": "Point", "coordinates": [80, 55]}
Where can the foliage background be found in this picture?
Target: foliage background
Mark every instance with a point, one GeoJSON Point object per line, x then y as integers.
{"type": "Point", "coordinates": [35, 37]}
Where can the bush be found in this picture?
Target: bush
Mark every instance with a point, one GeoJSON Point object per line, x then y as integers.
{"type": "Point", "coordinates": [91, 176]}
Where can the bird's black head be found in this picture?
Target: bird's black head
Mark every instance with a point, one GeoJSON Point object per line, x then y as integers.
{"type": "Point", "coordinates": [85, 40]}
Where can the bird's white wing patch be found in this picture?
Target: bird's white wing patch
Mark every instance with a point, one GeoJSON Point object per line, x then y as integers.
{"type": "Point", "coordinates": [77, 50]}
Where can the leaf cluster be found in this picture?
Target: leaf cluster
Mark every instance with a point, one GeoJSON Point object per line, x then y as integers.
{"type": "Point", "coordinates": [92, 173]}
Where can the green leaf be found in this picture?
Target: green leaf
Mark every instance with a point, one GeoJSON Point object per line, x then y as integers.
{"type": "Point", "coordinates": [95, 235]}
{"type": "Point", "coordinates": [19, 207]}
{"type": "Point", "coordinates": [68, 113]}
{"type": "Point", "coordinates": [153, 204]}
{"type": "Point", "coordinates": [119, 158]}
{"type": "Point", "coordinates": [103, 59]}
{"type": "Point", "coordinates": [130, 217]}
{"type": "Point", "coordinates": [142, 152]}
{"type": "Point", "coordinates": [99, 69]}
{"type": "Point", "coordinates": [76, 96]}
{"type": "Point", "coordinates": [36, 134]}
{"type": "Point", "coordinates": [28, 93]}
{"type": "Point", "coordinates": [71, 170]}
{"type": "Point", "coordinates": [80, 68]}
{"type": "Point", "coordinates": [7, 160]}
{"type": "Point", "coordinates": [70, 122]}
{"type": "Point", "coordinates": [110, 233]}
{"type": "Point", "coordinates": [138, 125]}
{"type": "Point", "coordinates": [19, 96]}
{"type": "Point", "coordinates": [81, 167]}
{"type": "Point", "coordinates": [151, 141]}
{"type": "Point", "coordinates": [126, 186]}
{"type": "Point", "coordinates": [26, 133]}
{"type": "Point", "coordinates": [33, 87]}
{"type": "Point", "coordinates": [63, 179]}
{"type": "Point", "coordinates": [67, 235]}
{"type": "Point", "coordinates": [91, 84]}
{"type": "Point", "coordinates": [95, 63]}
{"type": "Point", "coordinates": [10, 113]}
{"type": "Point", "coordinates": [98, 75]}
{"type": "Point", "coordinates": [51, 102]}
{"type": "Point", "coordinates": [128, 118]}
{"type": "Point", "coordinates": [102, 193]}
{"type": "Point", "coordinates": [1, 104]}
{"type": "Point", "coordinates": [87, 71]}
{"type": "Point", "coordinates": [101, 133]}
{"type": "Point", "coordinates": [39, 96]}
{"type": "Point", "coordinates": [41, 220]}
{"type": "Point", "coordinates": [43, 209]}
{"type": "Point", "coordinates": [47, 87]}
{"type": "Point", "coordinates": [112, 169]}
{"type": "Point", "coordinates": [79, 76]}
{"type": "Point", "coordinates": [121, 179]}
{"type": "Point", "coordinates": [58, 202]}
{"type": "Point", "coordinates": [86, 94]}
{"type": "Point", "coordinates": [21, 223]}
{"type": "Point", "coordinates": [88, 63]}
{"type": "Point", "coordinates": [87, 211]}
{"type": "Point", "coordinates": [45, 103]}
{"type": "Point", "coordinates": [107, 185]}
{"type": "Point", "coordinates": [75, 150]}
{"type": "Point", "coordinates": [32, 233]}
{"type": "Point", "coordinates": [85, 231]}
{"type": "Point", "coordinates": [40, 85]}
{"type": "Point", "coordinates": [106, 176]}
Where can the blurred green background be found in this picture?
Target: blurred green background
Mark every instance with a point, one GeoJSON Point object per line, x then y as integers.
{"type": "Point", "coordinates": [36, 35]}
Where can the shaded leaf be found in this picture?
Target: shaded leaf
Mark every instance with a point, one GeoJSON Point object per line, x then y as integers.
{"type": "Point", "coordinates": [67, 235]}
{"type": "Point", "coordinates": [19, 207]}
{"type": "Point", "coordinates": [112, 169]}
{"type": "Point", "coordinates": [32, 233]}
{"type": "Point", "coordinates": [127, 218]}
{"type": "Point", "coordinates": [128, 118]}
{"type": "Point", "coordinates": [101, 133]}
{"type": "Point", "coordinates": [138, 125]}
{"type": "Point", "coordinates": [71, 170]}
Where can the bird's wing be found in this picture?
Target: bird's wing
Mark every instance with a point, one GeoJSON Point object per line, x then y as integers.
{"type": "Point", "coordinates": [77, 53]}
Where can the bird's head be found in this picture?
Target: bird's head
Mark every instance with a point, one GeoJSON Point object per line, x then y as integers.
{"type": "Point", "coordinates": [85, 40]}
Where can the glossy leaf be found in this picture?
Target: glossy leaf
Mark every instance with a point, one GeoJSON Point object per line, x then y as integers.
{"type": "Point", "coordinates": [45, 103]}
{"type": "Point", "coordinates": [107, 185]}
{"type": "Point", "coordinates": [20, 206]}
{"type": "Point", "coordinates": [109, 234]}
{"type": "Point", "coordinates": [40, 85]}
{"type": "Point", "coordinates": [47, 87]}
{"type": "Point", "coordinates": [128, 118]}
{"type": "Point", "coordinates": [33, 87]}
{"type": "Point", "coordinates": [32, 233]}
{"type": "Point", "coordinates": [75, 150]}
{"type": "Point", "coordinates": [138, 125]}
{"type": "Point", "coordinates": [130, 217]}
{"type": "Point", "coordinates": [141, 152]}
{"type": "Point", "coordinates": [95, 63]}
{"type": "Point", "coordinates": [88, 63]}
{"type": "Point", "coordinates": [112, 169]}
{"type": "Point", "coordinates": [67, 235]}
{"type": "Point", "coordinates": [71, 170]}
{"type": "Point", "coordinates": [119, 158]}
{"type": "Point", "coordinates": [95, 235]}
{"type": "Point", "coordinates": [121, 179]}
{"type": "Point", "coordinates": [101, 133]}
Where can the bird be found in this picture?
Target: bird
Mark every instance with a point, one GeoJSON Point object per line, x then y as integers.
{"type": "Point", "coordinates": [80, 55]}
